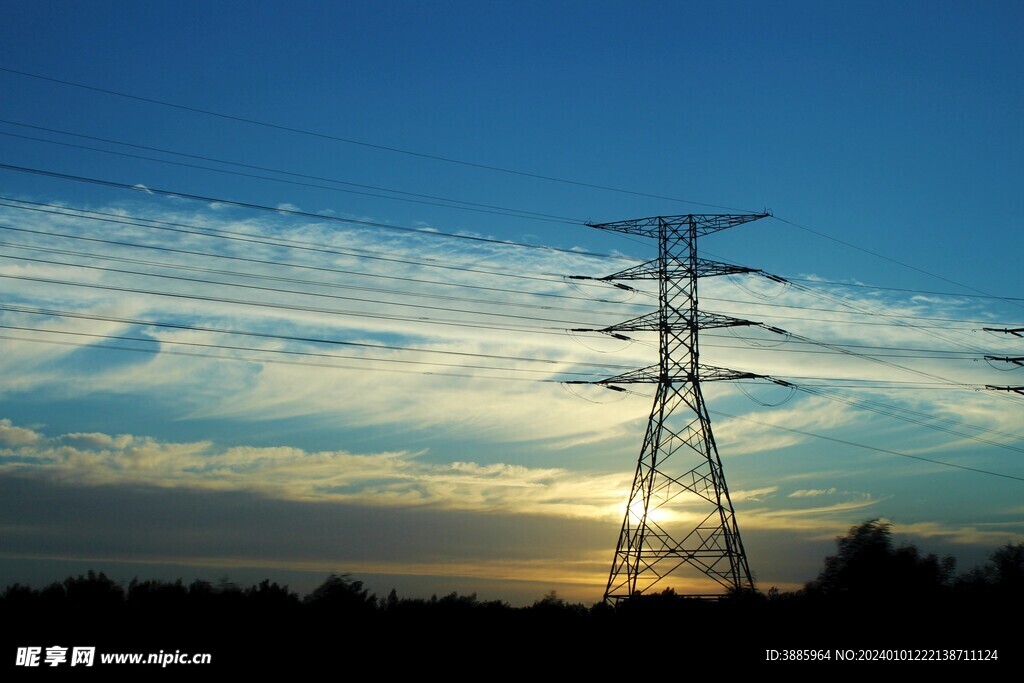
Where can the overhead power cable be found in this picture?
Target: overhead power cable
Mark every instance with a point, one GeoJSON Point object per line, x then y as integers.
{"type": "Point", "coordinates": [912, 417]}
{"type": "Point", "coordinates": [532, 329]}
{"type": "Point", "coordinates": [861, 307]}
{"type": "Point", "coordinates": [294, 338]}
{"type": "Point", "coordinates": [872, 358]}
{"type": "Point", "coordinates": [891, 364]}
{"type": "Point", "coordinates": [305, 214]}
{"type": "Point", "coordinates": [870, 448]}
{"type": "Point", "coordinates": [286, 352]}
{"type": "Point", "coordinates": [886, 258]}
{"type": "Point", "coordinates": [332, 366]}
{"type": "Point", "coordinates": [308, 246]}
{"type": "Point", "coordinates": [229, 235]}
{"type": "Point", "coordinates": [896, 317]}
{"type": "Point", "coordinates": [929, 292]}
{"type": "Point", "coordinates": [872, 383]}
{"type": "Point", "coordinates": [851, 346]}
{"type": "Point", "coordinates": [470, 206]}
{"type": "Point", "coordinates": [894, 411]}
{"type": "Point", "coordinates": [966, 355]}
{"type": "Point", "coordinates": [450, 160]}
{"type": "Point", "coordinates": [429, 373]}
{"type": "Point", "coordinates": [275, 278]}
{"type": "Point", "coordinates": [350, 141]}
{"type": "Point", "coordinates": [278, 290]}
{"type": "Point", "coordinates": [832, 321]}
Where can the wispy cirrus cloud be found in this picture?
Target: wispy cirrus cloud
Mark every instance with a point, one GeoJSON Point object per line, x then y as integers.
{"type": "Point", "coordinates": [812, 493]}
{"type": "Point", "coordinates": [429, 337]}
{"type": "Point", "coordinates": [394, 479]}
{"type": "Point", "coordinates": [302, 278]}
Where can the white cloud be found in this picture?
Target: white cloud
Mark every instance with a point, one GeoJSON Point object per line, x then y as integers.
{"type": "Point", "coordinates": [822, 521]}
{"type": "Point", "coordinates": [754, 495]}
{"type": "Point", "coordinates": [365, 390]}
{"type": "Point", "coordinates": [14, 437]}
{"type": "Point", "coordinates": [968, 534]}
{"type": "Point", "coordinates": [812, 493]}
{"type": "Point", "coordinates": [387, 478]}
{"type": "Point", "coordinates": [745, 436]}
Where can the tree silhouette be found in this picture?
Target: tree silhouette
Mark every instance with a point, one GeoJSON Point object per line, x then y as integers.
{"type": "Point", "coordinates": [269, 595]}
{"type": "Point", "coordinates": [867, 567]}
{"type": "Point", "coordinates": [552, 606]}
{"type": "Point", "coordinates": [94, 591]}
{"type": "Point", "coordinates": [1001, 579]}
{"type": "Point", "coordinates": [1007, 567]}
{"type": "Point", "coordinates": [339, 592]}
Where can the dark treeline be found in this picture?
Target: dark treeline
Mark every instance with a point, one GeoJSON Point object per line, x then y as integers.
{"type": "Point", "coordinates": [867, 569]}
{"type": "Point", "coordinates": [870, 593]}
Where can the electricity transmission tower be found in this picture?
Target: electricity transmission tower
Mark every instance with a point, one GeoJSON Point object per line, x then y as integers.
{"type": "Point", "coordinates": [679, 513]}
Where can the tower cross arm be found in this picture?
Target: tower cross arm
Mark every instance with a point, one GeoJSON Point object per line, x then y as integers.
{"type": "Point", "coordinates": [703, 223]}
{"type": "Point", "coordinates": [1015, 331]}
{"type": "Point", "coordinates": [1016, 360]}
{"type": "Point", "coordinates": [651, 270]}
{"type": "Point", "coordinates": [651, 322]}
{"type": "Point", "coordinates": [711, 373]}
{"type": "Point", "coordinates": [652, 375]}
{"type": "Point", "coordinates": [1016, 390]}
{"type": "Point", "coordinates": [707, 321]}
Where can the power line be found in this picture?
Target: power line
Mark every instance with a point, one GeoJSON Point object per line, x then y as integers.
{"type": "Point", "coordinates": [859, 322]}
{"type": "Point", "coordinates": [897, 316]}
{"type": "Point", "coordinates": [533, 329]}
{"type": "Point", "coordinates": [852, 346]}
{"type": "Point", "coordinates": [272, 278]}
{"type": "Point", "coordinates": [859, 306]}
{"type": "Point", "coordinates": [773, 349]}
{"type": "Point", "coordinates": [332, 366]}
{"type": "Point", "coordinates": [350, 141]}
{"type": "Point", "coordinates": [488, 167]}
{"type": "Point", "coordinates": [304, 214]}
{"type": "Point", "coordinates": [843, 301]}
{"type": "Point", "coordinates": [883, 257]}
{"type": "Point", "coordinates": [897, 412]}
{"type": "Point", "coordinates": [912, 417]}
{"type": "Point", "coordinates": [302, 245]}
{"type": "Point", "coordinates": [391, 347]}
{"type": "Point", "coordinates": [835, 283]}
{"type": "Point", "coordinates": [492, 210]}
{"type": "Point", "coordinates": [870, 448]}
{"type": "Point", "coordinates": [290, 352]}
{"type": "Point", "coordinates": [886, 363]}
{"type": "Point", "coordinates": [295, 338]}
{"type": "Point", "coordinates": [871, 383]}
{"type": "Point", "coordinates": [278, 290]}
{"type": "Point", "coordinates": [1010, 299]}
{"type": "Point", "coordinates": [875, 359]}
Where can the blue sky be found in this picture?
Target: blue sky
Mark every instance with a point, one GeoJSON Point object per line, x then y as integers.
{"type": "Point", "coordinates": [894, 129]}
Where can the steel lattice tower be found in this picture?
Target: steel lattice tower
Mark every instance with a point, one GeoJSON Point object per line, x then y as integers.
{"type": "Point", "coordinates": [679, 512]}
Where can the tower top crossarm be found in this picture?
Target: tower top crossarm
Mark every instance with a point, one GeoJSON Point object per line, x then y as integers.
{"type": "Point", "coordinates": [705, 223]}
